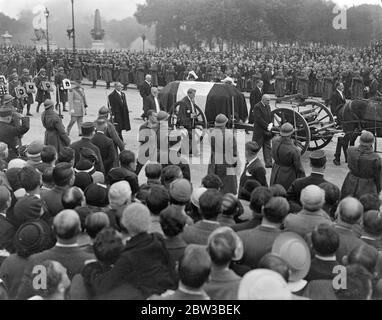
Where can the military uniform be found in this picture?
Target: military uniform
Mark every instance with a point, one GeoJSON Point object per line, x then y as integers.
{"type": "Point", "coordinates": [365, 172]}
{"type": "Point", "coordinates": [287, 166]}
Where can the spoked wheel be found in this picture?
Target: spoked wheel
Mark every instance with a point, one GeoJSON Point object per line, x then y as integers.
{"type": "Point", "coordinates": [320, 121]}
{"type": "Point", "coordinates": [301, 136]}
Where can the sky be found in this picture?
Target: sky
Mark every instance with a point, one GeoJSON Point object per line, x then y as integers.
{"type": "Point", "coordinates": [110, 9]}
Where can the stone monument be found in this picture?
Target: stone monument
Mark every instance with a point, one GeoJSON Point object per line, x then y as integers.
{"type": "Point", "coordinates": [98, 33]}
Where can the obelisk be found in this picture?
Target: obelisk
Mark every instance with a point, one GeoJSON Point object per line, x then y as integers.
{"type": "Point", "coordinates": [97, 33]}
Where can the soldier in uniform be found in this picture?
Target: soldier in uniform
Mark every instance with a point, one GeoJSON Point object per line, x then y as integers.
{"type": "Point", "coordinates": [357, 87]}
{"type": "Point", "coordinates": [287, 167]}
{"type": "Point", "coordinates": [11, 131]}
{"type": "Point", "coordinates": [55, 134]}
{"type": "Point", "coordinates": [280, 84]}
{"type": "Point", "coordinates": [78, 106]}
{"type": "Point", "coordinates": [77, 70]}
{"type": "Point", "coordinates": [18, 104]}
{"type": "Point", "coordinates": [61, 93]}
{"type": "Point", "coordinates": [42, 94]}
{"type": "Point", "coordinates": [124, 75]}
{"type": "Point", "coordinates": [93, 73]}
{"type": "Point", "coordinates": [365, 169]}
{"type": "Point", "coordinates": [107, 73]}
{"type": "Point", "coordinates": [26, 77]}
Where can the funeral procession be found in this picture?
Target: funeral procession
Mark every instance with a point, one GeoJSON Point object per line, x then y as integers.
{"type": "Point", "coordinates": [225, 150]}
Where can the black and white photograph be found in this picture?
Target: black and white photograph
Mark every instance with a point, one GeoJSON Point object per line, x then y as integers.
{"type": "Point", "coordinates": [219, 151]}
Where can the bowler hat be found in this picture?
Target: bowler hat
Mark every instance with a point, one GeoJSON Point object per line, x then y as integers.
{"type": "Point", "coordinates": [8, 98]}
{"type": "Point", "coordinates": [221, 120]}
{"type": "Point", "coordinates": [30, 238]}
{"type": "Point", "coordinates": [286, 130]}
{"type": "Point", "coordinates": [293, 249]}
{"type": "Point", "coordinates": [181, 190]}
{"type": "Point", "coordinates": [34, 149]}
{"type": "Point", "coordinates": [48, 104]}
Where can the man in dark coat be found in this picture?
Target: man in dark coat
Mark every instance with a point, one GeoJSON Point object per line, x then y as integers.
{"type": "Point", "coordinates": [152, 102]}
{"type": "Point", "coordinates": [111, 132]}
{"type": "Point", "coordinates": [254, 168]}
{"type": "Point", "coordinates": [105, 145]}
{"type": "Point", "coordinates": [87, 134]}
{"type": "Point", "coordinates": [145, 92]}
{"type": "Point", "coordinates": [254, 99]}
{"type": "Point", "coordinates": [287, 167]}
{"type": "Point", "coordinates": [365, 169]}
{"type": "Point", "coordinates": [10, 132]}
{"type": "Point", "coordinates": [119, 109]}
{"type": "Point", "coordinates": [337, 100]}
{"type": "Point", "coordinates": [42, 93]}
{"type": "Point", "coordinates": [144, 262]}
{"type": "Point", "coordinates": [55, 134]}
{"type": "Point", "coordinates": [187, 113]}
{"type": "Point", "coordinates": [318, 164]}
{"type": "Point", "coordinates": [262, 128]}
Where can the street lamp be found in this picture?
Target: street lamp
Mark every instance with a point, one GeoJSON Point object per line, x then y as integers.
{"type": "Point", "coordinates": [73, 31]}
{"type": "Point", "coordinates": [47, 30]}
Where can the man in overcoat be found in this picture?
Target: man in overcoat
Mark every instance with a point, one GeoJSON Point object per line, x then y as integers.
{"type": "Point", "coordinates": [119, 109]}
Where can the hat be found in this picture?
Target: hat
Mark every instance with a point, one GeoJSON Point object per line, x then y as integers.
{"type": "Point", "coordinates": [16, 164]}
{"type": "Point", "coordinates": [82, 180]}
{"type": "Point", "coordinates": [226, 232]}
{"type": "Point", "coordinates": [295, 252]}
{"type": "Point", "coordinates": [286, 130]}
{"type": "Point", "coordinates": [367, 138]}
{"type": "Point", "coordinates": [116, 174]}
{"type": "Point", "coordinates": [263, 284]}
{"type": "Point", "coordinates": [103, 111]}
{"type": "Point", "coordinates": [8, 98]}
{"type": "Point", "coordinates": [28, 208]}
{"type": "Point", "coordinates": [221, 120]}
{"type": "Point", "coordinates": [196, 194]}
{"type": "Point", "coordinates": [30, 238]}
{"type": "Point", "coordinates": [318, 158]}
{"type": "Point", "coordinates": [96, 195]}
{"type": "Point", "coordinates": [181, 190]}
{"type": "Point", "coordinates": [84, 166]}
{"type": "Point", "coordinates": [162, 116]}
{"type": "Point", "coordinates": [34, 149]}
{"type": "Point", "coordinates": [6, 110]}
{"type": "Point", "coordinates": [48, 104]}
{"type": "Point", "coordinates": [87, 128]}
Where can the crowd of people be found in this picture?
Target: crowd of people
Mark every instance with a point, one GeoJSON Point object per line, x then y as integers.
{"type": "Point", "coordinates": [285, 69]}
{"type": "Point", "coordinates": [77, 223]}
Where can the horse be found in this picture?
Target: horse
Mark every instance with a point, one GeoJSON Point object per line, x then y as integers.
{"type": "Point", "coordinates": [357, 116]}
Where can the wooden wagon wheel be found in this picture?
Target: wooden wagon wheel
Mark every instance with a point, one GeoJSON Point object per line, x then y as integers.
{"type": "Point", "coordinates": [301, 135]}
{"type": "Point", "coordinates": [320, 121]}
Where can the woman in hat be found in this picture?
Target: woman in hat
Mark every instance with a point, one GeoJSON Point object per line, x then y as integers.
{"type": "Point", "coordinates": [365, 169]}
{"type": "Point", "coordinates": [55, 134]}
{"type": "Point", "coordinates": [223, 161]}
{"type": "Point", "coordinates": [287, 167]}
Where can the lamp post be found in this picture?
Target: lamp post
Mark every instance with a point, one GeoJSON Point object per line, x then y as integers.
{"type": "Point", "coordinates": [47, 30]}
{"type": "Point", "coordinates": [143, 39]}
{"type": "Point", "coordinates": [73, 30]}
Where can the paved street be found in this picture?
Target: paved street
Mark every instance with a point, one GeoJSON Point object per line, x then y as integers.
{"type": "Point", "coordinates": [98, 98]}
